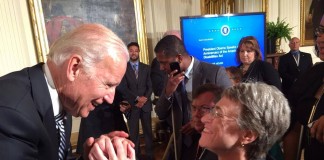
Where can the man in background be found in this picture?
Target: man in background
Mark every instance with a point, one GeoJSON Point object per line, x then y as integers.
{"type": "Point", "coordinates": [82, 71]}
{"type": "Point", "coordinates": [205, 98]}
{"type": "Point", "coordinates": [176, 98]}
{"type": "Point", "coordinates": [137, 90]}
{"type": "Point", "coordinates": [293, 64]}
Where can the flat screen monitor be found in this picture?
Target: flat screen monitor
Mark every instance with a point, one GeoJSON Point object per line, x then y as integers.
{"type": "Point", "coordinates": [214, 38]}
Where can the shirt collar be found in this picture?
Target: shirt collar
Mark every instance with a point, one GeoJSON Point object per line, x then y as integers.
{"type": "Point", "coordinates": [189, 69]}
{"type": "Point", "coordinates": [132, 63]}
{"type": "Point", "coordinates": [57, 107]}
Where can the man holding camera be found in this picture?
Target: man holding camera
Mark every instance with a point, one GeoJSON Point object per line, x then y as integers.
{"type": "Point", "coordinates": [174, 103]}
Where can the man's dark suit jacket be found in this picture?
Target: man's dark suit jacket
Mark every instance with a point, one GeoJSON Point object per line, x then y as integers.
{"type": "Point", "coordinates": [202, 73]}
{"type": "Point", "coordinates": [289, 71]}
{"type": "Point", "coordinates": [140, 87]}
{"type": "Point", "coordinates": [27, 124]}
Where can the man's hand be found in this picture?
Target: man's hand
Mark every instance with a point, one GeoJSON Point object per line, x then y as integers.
{"type": "Point", "coordinates": [317, 130]}
{"type": "Point", "coordinates": [188, 129]}
{"type": "Point", "coordinates": [142, 99]}
{"type": "Point", "coordinates": [101, 148]}
{"type": "Point", "coordinates": [139, 105]}
{"type": "Point", "coordinates": [173, 82]}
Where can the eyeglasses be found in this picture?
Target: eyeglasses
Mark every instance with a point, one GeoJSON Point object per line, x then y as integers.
{"type": "Point", "coordinates": [319, 30]}
{"type": "Point", "coordinates": [203, 109]}
{"type": "Point", "coordinates": [216, 112]}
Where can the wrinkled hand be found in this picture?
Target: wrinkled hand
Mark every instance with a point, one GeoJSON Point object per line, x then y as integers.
{"type": "Point", "coordinates": [142, 99]}
{"type": "Point", "coordinates": [173, 82]}
{"type": "Point", "coordinates": [103, 147]}
{"type": "Point", "coordinates": [317, 130]}
{"type": "Point", "coordinates": [188, 129]}
{"type": "Point", "coordinates": [139, 105]}
{"type": "Point", "coordinates": [124, 108]}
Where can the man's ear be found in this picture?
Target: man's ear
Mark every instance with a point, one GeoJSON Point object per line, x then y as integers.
{"type": "Point", "coordinates": [248, 136]}
{"type": "Point", "coordinates": [180, 58]}
{"type": "Point", "coordinates": [74, 66]}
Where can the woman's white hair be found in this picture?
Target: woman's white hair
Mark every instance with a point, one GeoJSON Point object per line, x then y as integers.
{"type": "Point", "coordinates": [265, 111]}
{"type": "Point", "coordinates": [92, 42]}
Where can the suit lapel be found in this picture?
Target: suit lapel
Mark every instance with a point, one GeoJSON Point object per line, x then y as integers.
{"type": "Point", "coordinates": [196, 74]}
{"type": "Point", "coordinates": [140, 72]}
{"type": "Point", "coordinates": [292, 60]}
{"type": "Point", "coordinates": [301, 60]}
{"type": "Point", "coordinates": [43, 103]}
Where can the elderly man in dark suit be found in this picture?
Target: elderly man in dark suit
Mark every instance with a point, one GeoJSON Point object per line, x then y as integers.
{"type": "Point", "coordinates": [82, 71]}
{"type": "Point", "coordinates": [293, 64]}
{"type": "Point", "coordinates": [177, 96]}
{"type": "Point", "coordinates": [137, 91]}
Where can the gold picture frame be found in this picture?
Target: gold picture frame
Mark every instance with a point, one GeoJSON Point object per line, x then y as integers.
{"type": "Point", "coordinates": [41, 37]}
{"type": "Point", "coordinates": [306, 29]}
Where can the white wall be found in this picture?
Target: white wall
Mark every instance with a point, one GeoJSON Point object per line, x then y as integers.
{"type": "Point", "coordinates": [16, 42]}
{"type": "Point", "coordinates": [164, 15]}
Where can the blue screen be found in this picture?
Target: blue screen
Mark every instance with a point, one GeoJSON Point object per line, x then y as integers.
{"type": "Point", "coordinates": [214, 39]}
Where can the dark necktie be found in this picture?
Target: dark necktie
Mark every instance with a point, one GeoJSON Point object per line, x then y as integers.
{"type": "Point", "coordinates": [295, 54]}
{"type": "Point", "coordinates": [59, 119]}
{"type": "Point", "coordinates": [135, 70]}
{"type": "Point", "coordinates": [184, 102]}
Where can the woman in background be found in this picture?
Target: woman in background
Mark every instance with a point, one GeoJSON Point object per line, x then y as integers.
{"type": "Point", "coordinates": [246, 122]}
{"type": "Point", "coordinates": [249, 56]}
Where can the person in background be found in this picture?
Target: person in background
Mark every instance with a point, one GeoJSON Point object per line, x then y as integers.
{"type": "Point", "coordinates": [158, 76]}
{"type": "Point", "coordinates": [248, 54]}
{"type": "Point", "coordinates": [82, 71]}
{"type": "Point", "coordinates": [103, 119]}
{"type": "Point", "coordinates": [176, 97]}
{"type": "Point", "coordinates": [244, 124]}
{"type": "Point", "coordinates": [302, 97]}
{"type": "Point", "coordinates": [293, 64]}
{"type": "Point", "coordinates": [204, 99]}
{"type": "Point", "coordinates": [137, 91]}
{"type": "Point", "coordinates": [234, 74]}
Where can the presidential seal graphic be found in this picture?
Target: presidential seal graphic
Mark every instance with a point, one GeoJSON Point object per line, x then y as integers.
{"type": "Point", "coordinates": [225, 30]}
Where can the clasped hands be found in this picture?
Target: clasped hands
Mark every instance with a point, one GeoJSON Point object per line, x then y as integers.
{"type": "Point", "coordinates": [112, 146]}
{"type": "Point", "coordinates": [141, 101]}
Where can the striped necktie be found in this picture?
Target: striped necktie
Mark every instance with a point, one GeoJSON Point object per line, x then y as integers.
{"type": "Point", "coordinates": [135, 70]}
{"type": "Point", "coordinates": [59, 119]}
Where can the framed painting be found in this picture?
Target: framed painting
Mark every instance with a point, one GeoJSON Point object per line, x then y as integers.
{"type": "Point", "coordinates": [52, 18]}
{"type": "Point", "coordinates": [308, 21]}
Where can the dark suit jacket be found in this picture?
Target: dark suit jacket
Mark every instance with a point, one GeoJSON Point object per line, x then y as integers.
{"type": "Point", "coordinates": [202, 73]}
{"type": "Point", "coordinates": [289, 71]}
{"type": "Point", "coordinates": [302, 99]}
{"type": "Point", "coordinates": [27, 128]}
{"type": "Point", "coordinates": [142, 86]}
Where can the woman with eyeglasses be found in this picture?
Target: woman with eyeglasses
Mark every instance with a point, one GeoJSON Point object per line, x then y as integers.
{"type": "Point", "coordinates": [248, 54]}
{"type": "Point", "coordinates": [305, 92]}
{"type": "Point", "coordinates": [246, 122]}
